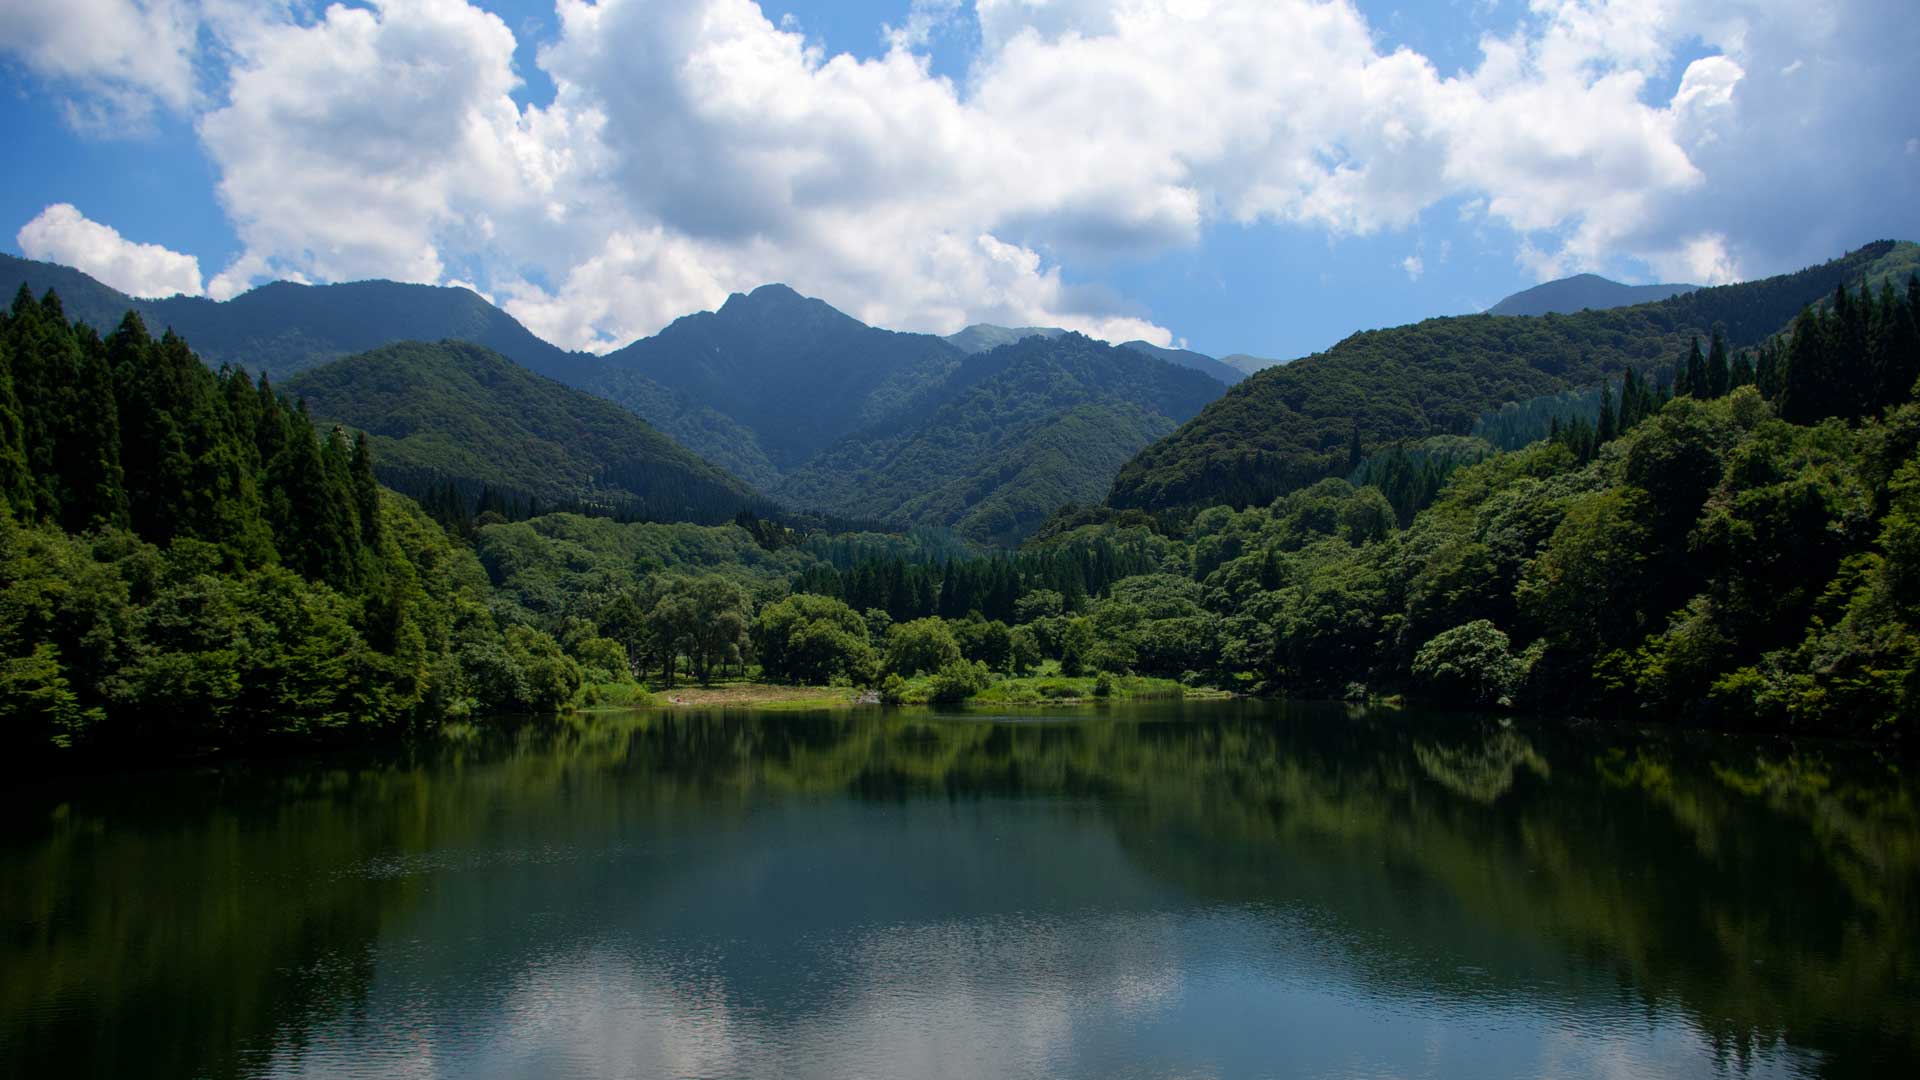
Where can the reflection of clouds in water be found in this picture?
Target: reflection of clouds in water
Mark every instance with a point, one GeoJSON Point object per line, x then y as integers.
{"type": "Point", "coordinates": [998, 997]}
{"type": "Point", "coordinates": [1086, 994]}
{"type": "Point", "coordinates": [1589, 1051]}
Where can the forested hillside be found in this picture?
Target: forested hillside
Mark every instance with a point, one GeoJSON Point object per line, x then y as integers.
{"type": "Point", "coordinates": [1288, 427]}
{"type": "Point", "coordinates": [188, 563]}
{"type": "Point", "coordinates": [283, 328]}
{"type": "Point", "coordinates": [459, 414]}
{"type": "Point", "coordinates": [1015, 433]}
{"type": "Point", "coordinates": [1743, 551]}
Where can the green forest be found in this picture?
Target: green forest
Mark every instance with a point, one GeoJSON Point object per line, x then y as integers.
{"type": "Point", "coordinates": [1291, 426]}
{"type": "Point", "coordinates": [191, 560]}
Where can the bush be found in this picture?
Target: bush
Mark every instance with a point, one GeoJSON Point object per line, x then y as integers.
{"type": "Point", "coordinates": [921, 645]}
{"type": "Point", "coordinates": [1103, 686]}
{"type": "Point", "coordinates": [1471, 664]}
{"type": "Point", "coordinates": [813, 639]}
{"type": "Point", "coordinates": [958, 680]}
{"type": "Point", "coordinates": [893, 691]}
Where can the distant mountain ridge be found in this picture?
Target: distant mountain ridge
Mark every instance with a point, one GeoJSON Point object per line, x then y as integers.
{"type": "Point", "coordinates": [983, 337]}
{"type": "Point", "coordinates": [1583, 292]}
{"type": "Point", "coordinates": [283, 328]}
{"type": "Point", "coordinates": [771, 389]}
{"type": "Point", "coordinates": [1247, 365]}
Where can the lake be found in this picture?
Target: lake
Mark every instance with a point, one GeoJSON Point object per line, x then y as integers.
{"type": "Point", "coordinates": [1220, 889]}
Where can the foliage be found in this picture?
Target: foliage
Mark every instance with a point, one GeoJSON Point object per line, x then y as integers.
{"type": "Point", "coordinates": [192, 564]}
{"type": "Point", "coordinates": [958, 680]}
{"type": "Point", "coordinates": [921, 645]}
{"type": "Point", "coordinates": [1470, 665]}
{"type": "Point", "coordinates": [813, 639]}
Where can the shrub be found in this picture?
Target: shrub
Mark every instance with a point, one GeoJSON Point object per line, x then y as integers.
{"type": "Point", "coordinates": [959, 680]}
{"type": "Point", "coordinates": [1471, 664]}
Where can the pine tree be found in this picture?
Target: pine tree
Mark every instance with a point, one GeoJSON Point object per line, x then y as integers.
{"type": "Point", "coordinates": [92, 488]}
{"type": "Point", "coordinates": [1692, 379]}
{"type": "Point", "coordinates": [366, 491]}
{"type": "Point", "coordinates": [1743, 372]}
{"type": "Point", "coordinates": [16, 481]}
{"type": "Point", "coordinates": [1770, 370]}
{"type": "Point", "coordinates": [1807, 391]}
{"type": "Point", "coordinates": [1894, 350]}
{"type": "Point", "coordinates": [1719, 371]}
{"type": "Point", "coordinates": [1608, 426]}
{"type": "Point", "coordinates": [1632, 400]}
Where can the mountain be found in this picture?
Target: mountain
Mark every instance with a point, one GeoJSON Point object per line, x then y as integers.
{"type": "Point", "coordinates": [1015, 433]}
{"type": "Point", "coordinates": [285, 328]}
{"type": "Point", "coordinates": [1187, 358]}
{"type": "Point", "coordinates": [1247, 365]}
{"type": "Point", "coordinates": [984, 337]}
{"type": "Point", "coordinates": [1290, 426]}
{"type": "Point", "coordinates": [1583, 292]}
{"type": "Point", "coordinates": [791, 374]}
{"type": "Point", "coordinates": [459, 412]}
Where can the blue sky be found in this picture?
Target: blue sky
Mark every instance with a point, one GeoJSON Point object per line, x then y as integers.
{"type": "Point", "coordinates": [1260, 176]}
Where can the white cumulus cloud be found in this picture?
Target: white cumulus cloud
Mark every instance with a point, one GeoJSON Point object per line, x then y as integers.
{"type": "Point", "coordinates": [62, 234]}
{"type": "Point", "coordinates": [699, 148]}
{"type": "Point", "coordinates": [122, 57]}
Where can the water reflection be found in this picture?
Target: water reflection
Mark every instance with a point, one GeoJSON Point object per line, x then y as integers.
{"type": "Point", "coordinates": [1229, 889]}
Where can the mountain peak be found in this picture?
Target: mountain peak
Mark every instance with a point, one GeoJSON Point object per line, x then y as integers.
{"type": "Point", "coordinates": [1583, 292]}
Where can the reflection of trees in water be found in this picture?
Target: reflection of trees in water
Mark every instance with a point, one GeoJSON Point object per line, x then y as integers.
{"type": "Point", "coordinates": [1769, 894]}
{"type": "Point", "coordinates": [1484, 772]}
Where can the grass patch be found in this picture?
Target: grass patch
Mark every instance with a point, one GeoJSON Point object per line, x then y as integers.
{"type": "Point", "coordinates": [756, 696]}
{"type": "Point", "coordinates": [613, 696]}
{"type": "Point", "coordinates": [1064, 690]}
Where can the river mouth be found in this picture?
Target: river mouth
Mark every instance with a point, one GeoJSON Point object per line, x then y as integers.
{"type": "Point", "coordinates": [1170, 889]}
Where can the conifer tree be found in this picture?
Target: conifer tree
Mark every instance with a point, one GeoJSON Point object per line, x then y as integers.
{"type": "Point", "coordinates": [1719, 371]}
{"type": "Point", "coordinates": [92, 492]}
{"type": "Point", "coordinates": [1632, 400]}
{"type": "Point", "coordinates": [366, 491]}
{"type": "Point", "coordinates": [1807, 391]}
{"type": "Point", "coordinates": [1692, 379]}
{"type": "Point", "coordinates": [16, 481]}
{"type": "Point", "coordinates": [1608, 426]}
{"type": "Point", "coordinates": [1743, 373]}
{"type": "Point", "coordinates": [1895, 348]}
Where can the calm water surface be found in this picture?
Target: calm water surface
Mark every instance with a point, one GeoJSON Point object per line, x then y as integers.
{"type": "Point", "coordinates": [1206, 890]}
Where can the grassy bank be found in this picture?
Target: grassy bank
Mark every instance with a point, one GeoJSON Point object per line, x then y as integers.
{"type": "Point", "coordinates": [1062, 690]}
{"type": "Point", "coordinates": [750, 695]}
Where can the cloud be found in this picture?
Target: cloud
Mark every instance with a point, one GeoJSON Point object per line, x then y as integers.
{"type": "Point", "coordinates": [699, 148]}
{"type": "Point", "coordinates": [1414, 267]}
{"type": "Point", "coordinates": [119, 58]}
{"type": "Point", "coordinates": [63, 234]}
